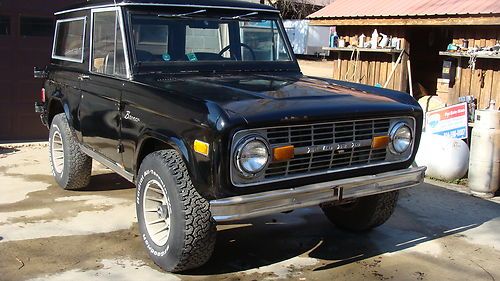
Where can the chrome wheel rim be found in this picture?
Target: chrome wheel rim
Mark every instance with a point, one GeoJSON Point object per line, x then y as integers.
{"type": "Point", "coordinates": [156, 212]}
{"type": "Point", "coordinates": [57, 147]}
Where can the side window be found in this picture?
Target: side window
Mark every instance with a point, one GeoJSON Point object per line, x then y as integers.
{"type": "Point", "coordinates": [108, 55]}
{"type": "Point", "coordinates": [69, 40]}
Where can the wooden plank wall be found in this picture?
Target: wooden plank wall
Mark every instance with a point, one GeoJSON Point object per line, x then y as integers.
{"type": "Point", "coordinates": [483, 82]}
{"type": "Point", "coordinates": [372, 68]}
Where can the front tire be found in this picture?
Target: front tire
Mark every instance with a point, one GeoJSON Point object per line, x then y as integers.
{"type": "Point", "coordinates": [175, 222]}
{"type": "Point", "coordinates": [364, 213]}
{"type": "Point", "coordinates": [70, 166]}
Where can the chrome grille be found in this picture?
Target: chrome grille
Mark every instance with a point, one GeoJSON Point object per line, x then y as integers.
{"type": "Point", "coordinates": [321, 148]}
{"type": "Point", "coordinates": [327, 134]}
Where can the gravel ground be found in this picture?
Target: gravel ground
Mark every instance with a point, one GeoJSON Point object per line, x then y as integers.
{"type": "Point", "coordinates": [49, 234]}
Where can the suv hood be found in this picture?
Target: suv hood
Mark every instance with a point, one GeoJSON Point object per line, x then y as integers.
{"type": "Point", "coordinates": [262, 99]}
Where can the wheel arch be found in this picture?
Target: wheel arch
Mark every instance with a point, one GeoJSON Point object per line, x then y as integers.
{"type": "Point", "coordinates": [57, 106]}
{"type": "Point", "coordinates": [151, 142]}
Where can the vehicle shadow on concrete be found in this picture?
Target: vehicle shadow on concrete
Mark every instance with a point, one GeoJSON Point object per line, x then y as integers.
{"type": "Point", "coordinates": [424, 213]}
{"type": "Point", "coordinates": [108, 182]}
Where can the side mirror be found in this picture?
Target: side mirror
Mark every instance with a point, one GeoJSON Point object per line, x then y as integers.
{"type": "Point", "coordinates": [40, 73]}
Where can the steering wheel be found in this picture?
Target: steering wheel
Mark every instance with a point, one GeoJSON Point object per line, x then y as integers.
{"type": "Point", "coordinates": [225, 49]}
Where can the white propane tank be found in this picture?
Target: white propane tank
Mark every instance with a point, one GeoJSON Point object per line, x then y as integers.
{"type": "Point", "coordinates": [484, 167]}
{"type": "Point", "coordinates": [445, 158]}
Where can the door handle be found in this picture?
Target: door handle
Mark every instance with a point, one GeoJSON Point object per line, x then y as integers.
{"type": "Point", "coordinates": [120, 106]}
{"type": "Point", "coordinates": [83, 77]}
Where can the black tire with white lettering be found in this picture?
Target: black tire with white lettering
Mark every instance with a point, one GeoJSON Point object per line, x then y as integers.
{"type": "Point", "coordinates": [174, 220]}
{"type": "Point", "coordinates": [364, 213]}
{"type": "Point", "coordinates": [70, 166]}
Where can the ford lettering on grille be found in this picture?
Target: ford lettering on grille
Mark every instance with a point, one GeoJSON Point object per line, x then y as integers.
{"type": "Point", "coordinates": [330, 147]}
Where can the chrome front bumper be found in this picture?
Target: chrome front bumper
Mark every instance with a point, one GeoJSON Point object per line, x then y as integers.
{"type": "Point", "coordinates": [264, 203]}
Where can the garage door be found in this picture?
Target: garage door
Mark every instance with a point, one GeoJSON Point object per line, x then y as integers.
{"type": "Point", "coordinates": [26, 30]}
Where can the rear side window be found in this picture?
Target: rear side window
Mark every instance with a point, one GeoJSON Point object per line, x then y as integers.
{"type": "Point", "coordinates": [69, 40]}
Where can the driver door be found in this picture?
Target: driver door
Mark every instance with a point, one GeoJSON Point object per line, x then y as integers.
{"type": "Point", "coordinates": [100, 108]}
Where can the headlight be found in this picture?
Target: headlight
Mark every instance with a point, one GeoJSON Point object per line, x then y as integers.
{"type": "Point", "coordinates": [252, 156]}
{"type": "Point", "coordinates": [401, 138]}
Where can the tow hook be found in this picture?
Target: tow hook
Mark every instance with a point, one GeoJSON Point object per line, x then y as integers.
{"type": "Point", "coordinates": [40, 108]}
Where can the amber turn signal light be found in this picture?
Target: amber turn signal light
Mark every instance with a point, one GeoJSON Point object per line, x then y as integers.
{"type": "Point", "coordinates": [283, 153]}
{"type": "Point", "coordinates": [201, 147]}
{"type": "Point", "coordinates": [380, 142]}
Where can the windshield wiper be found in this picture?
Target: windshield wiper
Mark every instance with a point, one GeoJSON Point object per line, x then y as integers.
{"type": "Point", "coordinates": [185, 15]}
{"type": "Point", "coordinates": [240, 16]}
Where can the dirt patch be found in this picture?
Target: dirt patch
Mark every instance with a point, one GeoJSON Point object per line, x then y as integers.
{"type": "Point", "coordinates": [58, 254]}
{"type": "Point", "coordinates": [317, 68]}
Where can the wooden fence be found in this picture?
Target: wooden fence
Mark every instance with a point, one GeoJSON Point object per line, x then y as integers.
{"type": "Point", "coordinates": [371, 67]}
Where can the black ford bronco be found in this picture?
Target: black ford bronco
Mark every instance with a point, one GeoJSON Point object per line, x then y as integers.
{"type": "Point", "coordinates": [203, 106]}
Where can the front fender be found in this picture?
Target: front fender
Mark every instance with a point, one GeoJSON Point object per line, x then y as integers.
{"type": "Point", "coordinates": [200, 168]}
{"type": "Point", "coordinates": [170, 141]}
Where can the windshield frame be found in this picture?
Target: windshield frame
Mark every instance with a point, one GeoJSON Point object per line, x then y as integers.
{"type": "Point", "coordinates": [209, 66]}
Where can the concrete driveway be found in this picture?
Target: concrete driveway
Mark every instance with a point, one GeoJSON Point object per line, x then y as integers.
{"type": "Point", "coordinates": [50, 234]}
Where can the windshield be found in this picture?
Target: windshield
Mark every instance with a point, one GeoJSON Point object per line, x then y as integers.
{"type": "Point", "coordinates": [167, 39]}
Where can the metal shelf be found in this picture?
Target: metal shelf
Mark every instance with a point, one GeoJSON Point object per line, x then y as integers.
{"type": "Point", "coordinates": [366, 50]}
{"type": "Point", "coordinates": [465, 55]}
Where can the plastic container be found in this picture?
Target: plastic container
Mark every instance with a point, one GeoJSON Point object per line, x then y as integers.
{"type": "Point", "coordinates": [484, 167]}
{"type": "Point", "coordinates": [374, 41]}
{"type": "Point", "coordinates": [385, 40]}
{"type": "Point", "coordinates": [334, 38]}
{"type": "Point", "coordinates": [361, 41]}
{"type": "Point", "coordinates": [396, 43]}
{"type": "Point", "coordinates": [341, 43]}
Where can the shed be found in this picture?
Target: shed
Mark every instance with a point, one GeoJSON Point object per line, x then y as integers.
{"type": "Point", "coordinates": [426, 28]}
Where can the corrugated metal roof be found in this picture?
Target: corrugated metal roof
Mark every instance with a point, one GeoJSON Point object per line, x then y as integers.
{"type": "Point", "coordinates": [406, 8]}
{"type": "Point", "coordinates": [321, 3]}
